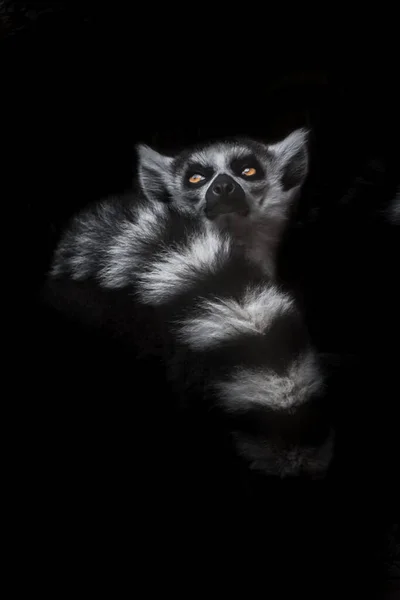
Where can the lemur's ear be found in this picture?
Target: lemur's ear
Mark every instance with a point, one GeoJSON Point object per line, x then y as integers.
{"type": "Point", "coordinates": [290, 158]}
{"type": "Point", "coordinates": [154, 170]}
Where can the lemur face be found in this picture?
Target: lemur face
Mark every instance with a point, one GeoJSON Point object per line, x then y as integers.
{"type": "Point", "coordinates": [241, 178]}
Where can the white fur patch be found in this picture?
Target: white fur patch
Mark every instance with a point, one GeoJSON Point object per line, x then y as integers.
{"type": "Point", "coordinates": [222, 319]}
{"type": "Point", "coordinates": [248, 387]}
{"type": "Point", "coordinates": [117, 270]}
{"type": "Point", "coordinates": [176, 269]}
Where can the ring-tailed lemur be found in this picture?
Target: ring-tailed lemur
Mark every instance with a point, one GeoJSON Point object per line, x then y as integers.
{"type": "Point", "coordinates": [243, 186]}
{"type": "Point", "coordinates": [232, 337]}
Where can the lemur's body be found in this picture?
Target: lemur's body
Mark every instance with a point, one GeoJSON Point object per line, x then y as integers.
{"type": "Point", "coordinates": [228, 333]}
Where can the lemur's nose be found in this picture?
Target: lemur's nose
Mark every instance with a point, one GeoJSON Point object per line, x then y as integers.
{"type": "Point", "coordinates": [225, 196]}
{"type": "Point", "coordinates": [224, 188]}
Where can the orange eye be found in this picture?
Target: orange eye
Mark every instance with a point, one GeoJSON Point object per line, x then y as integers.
{"type": "Point", "coordinates": [196, 178]}
{"type": "Point", "coordinates": [249, 172]}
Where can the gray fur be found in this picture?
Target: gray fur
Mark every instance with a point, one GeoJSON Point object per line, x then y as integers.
{"type": "Point", "coordinates": [154, 172]}
{"type": "Point", "coordinates": [101, 245]}
{"type": "Point", "coordinates": [111, 246]}
{"type": "Point", "coordinates": [175, 269]}
{"type": "Point", "coordinates": [261, 386]}
{"type": "Point", "coordinates": [220, 320]}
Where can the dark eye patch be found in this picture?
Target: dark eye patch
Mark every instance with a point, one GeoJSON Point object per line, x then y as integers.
{"type": "Point", "coordinates": [197, 169]}
{"type": "Point", "coordinates": [247, 162]}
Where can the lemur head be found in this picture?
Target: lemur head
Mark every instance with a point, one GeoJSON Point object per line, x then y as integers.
{"type": "Point", "coordinates": [241, 178]}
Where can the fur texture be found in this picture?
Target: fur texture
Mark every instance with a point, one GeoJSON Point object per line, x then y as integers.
{"type": "Point", "coordinates": [233, 337]}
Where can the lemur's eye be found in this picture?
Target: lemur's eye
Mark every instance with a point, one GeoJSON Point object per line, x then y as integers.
{"type": "Point", "coordinates": [196, 178]}
{"type": "Point", "coordinates": [249, 172]}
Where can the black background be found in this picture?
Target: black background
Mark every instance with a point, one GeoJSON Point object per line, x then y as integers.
{"type": "Point", "coordinates": [113, 487]}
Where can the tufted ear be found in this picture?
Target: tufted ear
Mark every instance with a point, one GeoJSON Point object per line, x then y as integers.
{"type": "Point", "coordinates": [290, 158]}
{"type": "Point", "coordinates": [154, 170]}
